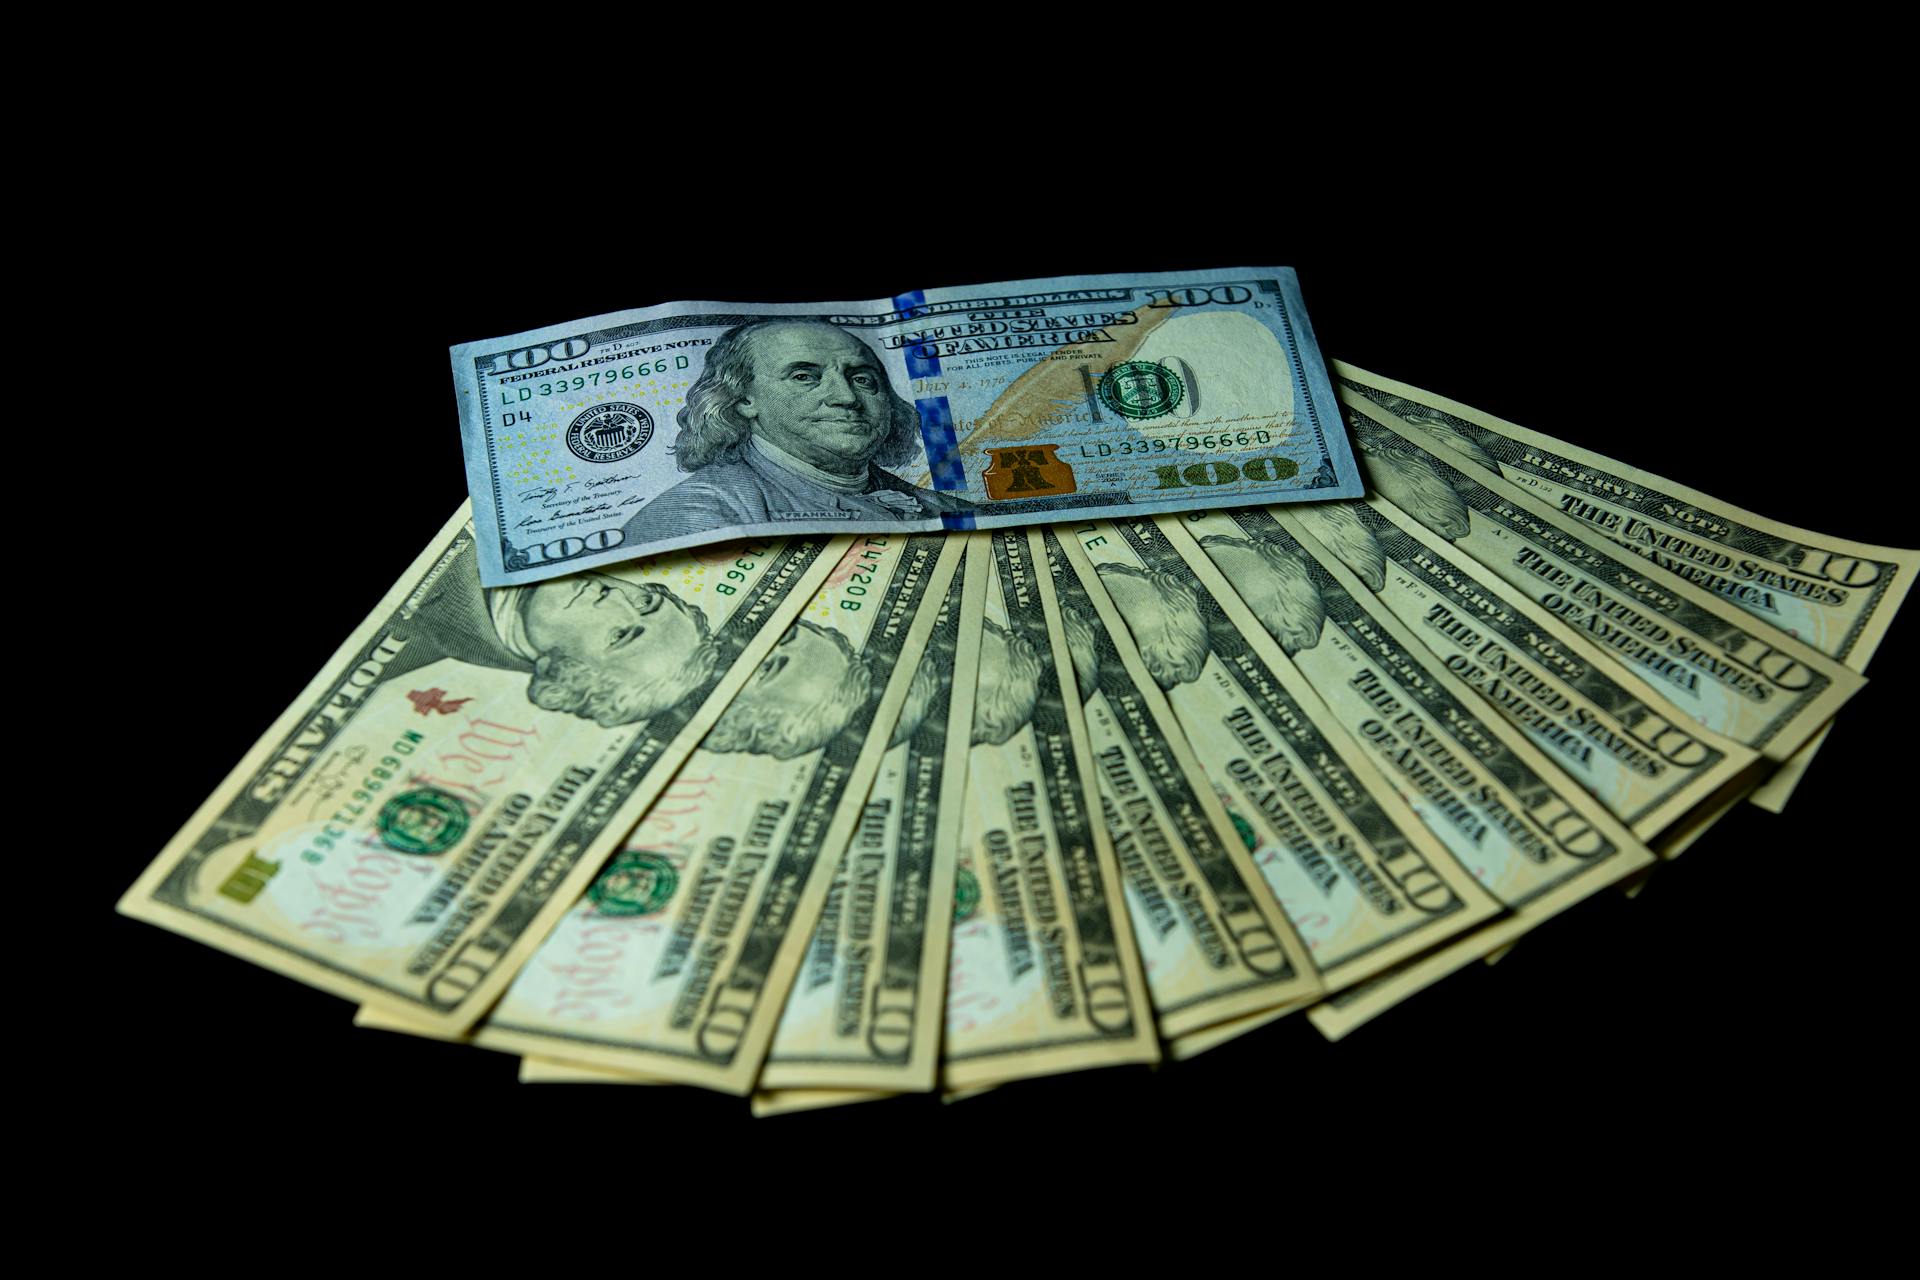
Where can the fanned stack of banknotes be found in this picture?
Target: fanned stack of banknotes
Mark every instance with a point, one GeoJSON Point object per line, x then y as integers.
{"type": "Point", "coordinates": [824, 703]}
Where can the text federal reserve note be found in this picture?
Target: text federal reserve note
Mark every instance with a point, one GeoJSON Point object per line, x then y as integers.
{"type": "Point", "coordinates": [1833, 593]}
{"type": "Point", "coordinates": [1364, 882]}
{"type": "Point", "coordinates": [865, 1009]}
{"type": "Point", "coordinates": [1741, 678]}
{"type": "Point", "coordinates": [678, 960]}
{"type": "Point", "coordinates": [984, 407]}
{"type": "Point", "coordinates": [1612, 732]}
{"type": "Point", "coordinates": [1044, 975]}
{"type": "Point", "coordinates": [1529, 834]}
{"type": "Point", "coordinates": [1214, 942]}
{"type": "Point", "coordinates": [427, 809]}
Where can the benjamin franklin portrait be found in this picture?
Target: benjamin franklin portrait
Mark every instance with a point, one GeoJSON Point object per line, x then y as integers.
{"type": "Point", "coordinates": [790, 420]}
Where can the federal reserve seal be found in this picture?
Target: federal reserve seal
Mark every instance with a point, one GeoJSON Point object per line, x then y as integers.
{"type": "Point", "coordinates": [637, 884]}
{"type": "Point", "coordinates": [609, 432]}
{"type": "Point", "coordinates": [1139, 389]}
{"type": "Point", "coordinates": [426, 821]}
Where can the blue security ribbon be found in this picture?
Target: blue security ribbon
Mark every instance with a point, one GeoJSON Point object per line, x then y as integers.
{"type": "Point", "coordinates": [942, 444]}
{"type": "Point", "coordinates": [918, 366]}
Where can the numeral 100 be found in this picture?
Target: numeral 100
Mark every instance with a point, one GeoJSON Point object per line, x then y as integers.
{"type": "Point", "coordinates": [534, 357]}
{"type": "Point", "coordinates": [1205, 475]}
{"type": "Point", "coordinates": [1225, 295]}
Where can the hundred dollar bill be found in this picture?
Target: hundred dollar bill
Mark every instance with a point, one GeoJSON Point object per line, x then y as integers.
{"type": "Point", "coordinates": [1044, 975]}
{"type": "Point", "coordinates": [865, 1010]}
{"type": "Point", "coordinates": [1837, 595]}
{"type": "Point", "coordinates": [1529, 834]}
{"type": "Point", "coordinates": [986, 406]}
{"type": "Point", "coordinates": [1608, 729]}
{"type": "Point", "coordinates": [1214, 942]}
{"type": "Point", "coordinates": [1741, 678]}
{"type": "Point", "coordinates": [423, 814]}
{"type": "Point", "coordinates": [677, 962]}
{"type": "Point", "coordinates": [1364, 882]}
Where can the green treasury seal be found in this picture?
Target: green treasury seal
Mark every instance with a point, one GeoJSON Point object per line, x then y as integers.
{"type": "Point", "coordinates": [427, 821]}
{"type": "Point", "coordinates": [1245, 828]}
{"type": "Point", "coordinates": [966, 896]}
{"type": "Point", "coordinates": [1139, 389]}
{"type": "Point", "coordinates": [635, 884]}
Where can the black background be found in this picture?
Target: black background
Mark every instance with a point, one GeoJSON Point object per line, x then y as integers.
{"type": "Point", "coordinates": [1717, 324]}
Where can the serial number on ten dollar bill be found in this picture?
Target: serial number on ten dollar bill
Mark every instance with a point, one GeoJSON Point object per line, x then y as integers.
{"type": "Point", "coordinates": [980, 406]}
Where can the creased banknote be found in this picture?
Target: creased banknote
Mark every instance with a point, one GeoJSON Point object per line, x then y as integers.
{"type": "Point", "coordinates": [1739, 677]}
{"type": "Point", "coordinates": [1835, 594]}
{"type": "Point", "coordinates": [1612, 732]}
{"type": "Point", "coordinates": [1214, 942]}
{"type": "Point", "coordinates": [445, 788]}
{"type": "Point", "coordinates": [677, 962]}
{"type": "Point", "coordinates": [1363, 881]}
{"type": "Point", "coordinates": [1194, 1043]}
{"type": "Point", "coordinates": [1044, 976]}
{"type": "Point", "coordinates": [869, 998]}
{"type": "Point", "coordinates": [553, 1071]}
{"type": "Point", "coordinates": [1530, 835]}
{"type": "Point", "coordinates": [784, 1102]}
{"type": "Point", "coordinates": [983, 406]}
{"type": "Point", "coordinates": [866, 1008]}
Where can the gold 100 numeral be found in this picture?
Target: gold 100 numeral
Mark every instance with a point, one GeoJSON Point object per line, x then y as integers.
{"type": "Point", "coordinates": [1207, 475]}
